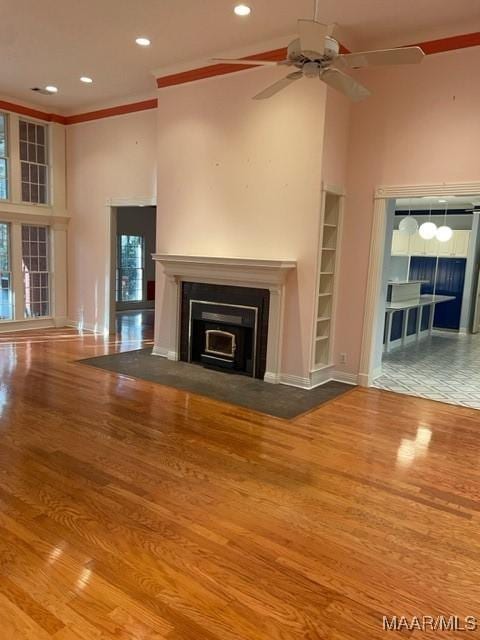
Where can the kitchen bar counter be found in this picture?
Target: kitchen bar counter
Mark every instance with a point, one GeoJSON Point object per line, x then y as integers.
{"type": "Point", "coordinates": [406, 306]}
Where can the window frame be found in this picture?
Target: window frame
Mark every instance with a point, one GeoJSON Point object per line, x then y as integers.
{"type": "Point", "coordinates": [6, 156]}
{"type": "Point", "coordinates": [118, 289]}
{"type": "Point", "coordinates": [46, 165]}
{"type": "Point", "coordinates": [47, 272]}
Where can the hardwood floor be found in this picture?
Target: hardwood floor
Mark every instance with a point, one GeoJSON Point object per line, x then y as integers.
{"type": "Point", "coordinates": [135, 511]}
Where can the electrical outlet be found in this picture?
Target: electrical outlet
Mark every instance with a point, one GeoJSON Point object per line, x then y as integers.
{"type": "Point", "coordinates": [343, 358]}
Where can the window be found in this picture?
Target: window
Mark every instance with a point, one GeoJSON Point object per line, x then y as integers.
{"type": "Point", "coordinates": [6, 296]}
{"type": "Point", "coordinates": [3, 157]}
{"type": "Point", "coordinates": [130, 267]}
{"type": "Point", "coordinates": [34, 162]}
{"type": "Point", "coordinates": [35, 267]}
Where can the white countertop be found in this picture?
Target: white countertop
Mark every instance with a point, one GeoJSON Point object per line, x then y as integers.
{"type": "Point", "coordinates": [422, 301]}
{"type": "Point", "coordinates": [407, 281]}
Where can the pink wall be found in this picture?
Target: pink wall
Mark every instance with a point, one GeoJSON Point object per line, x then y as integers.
{"type": "Point", "coordinates": [420, 126]}
{"type": "Point", "coordinates": [237, 177]}
{"type": "Point", "coordinates": [114, 158]}
{"type": "Point", "coordinates": [335, 145]}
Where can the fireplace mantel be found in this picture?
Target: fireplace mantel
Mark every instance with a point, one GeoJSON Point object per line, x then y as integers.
{"type": "Point", "coordinates": [215, 269]}
{"type": "Point", "coordinates": [247, 272]}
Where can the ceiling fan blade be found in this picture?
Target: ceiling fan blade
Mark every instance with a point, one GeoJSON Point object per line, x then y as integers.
{"type": "Point", "coordinates": [345, 84]}
{"type": "Point", "coordinates": [404, 55]}
{"type": "Point", "coordinates": [312, 37]}
{"type": "Point", "coordinates": [244, 61]}
{"type": "Point", "coordinates": [278, 86]}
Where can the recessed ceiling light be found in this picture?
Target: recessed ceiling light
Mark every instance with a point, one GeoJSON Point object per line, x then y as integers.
{"type": "Point", "coordinates": [143, 42]}
{"type": "Point", "coordinates": [442, 201]}
{"type": "Point", "coordinates": [86, 80]}
{"type": "Point", "coordinates": [242, 10]}
{"type": "Point", "coordinates": [51, 89]}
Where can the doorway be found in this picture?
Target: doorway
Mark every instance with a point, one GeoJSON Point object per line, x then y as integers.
{"type": "Point", "coordinates": [424, 337]}
{"type": "Point", "coordinates": [132, 272]}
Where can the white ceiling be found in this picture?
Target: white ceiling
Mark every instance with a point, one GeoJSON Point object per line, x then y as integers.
{"type": "Point", "coordinates": [57, 41]}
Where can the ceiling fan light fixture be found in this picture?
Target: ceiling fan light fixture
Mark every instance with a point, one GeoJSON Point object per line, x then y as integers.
{"type": "Point", "coordinates": [242, 10]}
{"type": "Point", "coordinates": [428, 230]}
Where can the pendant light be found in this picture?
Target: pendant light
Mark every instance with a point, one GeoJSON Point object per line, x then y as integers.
{"type": "Point", "coordinates": [408, 225]}
{"type": "Point", "coordinates": [444, 233]}
{"type": "Point", "coordinates": [428, 229]}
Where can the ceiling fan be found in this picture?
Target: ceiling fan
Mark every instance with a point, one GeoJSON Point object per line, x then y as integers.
{"type": "Point", "coordinates": [316, 54]}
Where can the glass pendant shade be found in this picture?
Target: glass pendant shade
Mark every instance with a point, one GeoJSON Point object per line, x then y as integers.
{"type": "Point", "coordinates": [428, 230]}
{"type": "Point", "coordinates": [408, 225]}
{"type": "Point", "coordinates": [444, 233]}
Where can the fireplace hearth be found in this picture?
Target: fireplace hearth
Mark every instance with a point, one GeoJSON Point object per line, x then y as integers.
{"type": "Point", "coordinates": [225, 327]}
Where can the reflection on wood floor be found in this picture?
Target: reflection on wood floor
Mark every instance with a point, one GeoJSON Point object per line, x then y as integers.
{"type": "Point", "coordinates": [134, 511]}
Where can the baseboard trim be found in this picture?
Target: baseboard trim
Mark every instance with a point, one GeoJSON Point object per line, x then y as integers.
{"type": "Point", "coordinates": [61, 322]}
{"type": "Point", "coordinates": [27, 325]}
{"type": "Point", "coordinates": [165, 353]}
{"type": "Point", "coordinates": [295, 381]}
{"type": "Point", "coordinates": [82, 326]}
{"type": "Point", "coordinates": [317, 378]}
{"type": "Point", "coordinates": [160, 351]}
{"type": "Point", "coordinates": [345, 377]}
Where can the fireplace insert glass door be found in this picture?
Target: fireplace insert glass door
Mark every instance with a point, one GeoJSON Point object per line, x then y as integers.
{"type": "Point", "coordinates": [220, 343]}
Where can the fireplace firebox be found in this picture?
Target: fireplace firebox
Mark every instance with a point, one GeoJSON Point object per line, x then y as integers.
{"type": "Point", "coordinates": [225, 327]}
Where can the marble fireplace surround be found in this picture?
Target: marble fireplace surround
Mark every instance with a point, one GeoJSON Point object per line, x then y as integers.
{"type": "Point", "coordinates": [240, 272]}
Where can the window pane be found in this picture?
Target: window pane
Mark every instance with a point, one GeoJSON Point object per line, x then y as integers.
{"type": "Point", "coordinates": [3, 158]}
{"type": "Point", "coordinates": [33, 154]}
{"type": "Point", "coordinates": [3, 135]}
{"type": "Point", "coordinates": [130, 271]}
{"type": "Point", "coordinates": [35, 271]}
{"type": "Point", "coordinates": [23, 130]}
{"type": "Point", "coordinates": [3, 179]}
{"type": "Point", "coordinates": [6, 294]}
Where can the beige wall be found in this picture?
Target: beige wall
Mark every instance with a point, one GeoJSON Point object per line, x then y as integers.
{"type": "Point", "coordinates": [113, 158]}
{"type": "Point", "coordinates": [420, 126]}
{"type": "Point", "coordinates": [337, 131]}
{"type": "Point", "coordinates": [237, 177]}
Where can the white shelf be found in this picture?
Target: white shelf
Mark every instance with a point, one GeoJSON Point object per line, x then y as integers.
{"type": "Point", "coordinates": [328, 255]}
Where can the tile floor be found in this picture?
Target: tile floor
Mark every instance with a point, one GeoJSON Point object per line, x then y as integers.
{"type": "Point", "coordinates": [444, 367]}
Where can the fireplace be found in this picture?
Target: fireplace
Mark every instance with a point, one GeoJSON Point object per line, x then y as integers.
{"type": "Point", "coordinates": [225, 327]}
{"type": "Point", "coordinates": [232, 286]}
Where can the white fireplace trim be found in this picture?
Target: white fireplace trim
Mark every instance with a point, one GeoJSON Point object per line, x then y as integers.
{"type": "Point", "coordinates": [239, 272]}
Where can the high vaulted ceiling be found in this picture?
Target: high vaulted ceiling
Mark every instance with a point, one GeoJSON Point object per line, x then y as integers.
{"type": "Point", "coordinates": [57, 41]}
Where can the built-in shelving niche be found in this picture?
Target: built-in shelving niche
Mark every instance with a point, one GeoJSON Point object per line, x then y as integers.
{"type": "Point", "coordinates": [328, 260]}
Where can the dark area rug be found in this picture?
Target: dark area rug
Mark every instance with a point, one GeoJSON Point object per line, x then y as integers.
{"type": "Point", "coordinates": [276, 400]}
